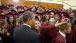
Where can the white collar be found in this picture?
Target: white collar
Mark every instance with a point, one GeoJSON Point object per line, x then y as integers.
{"type": "Point", "coordinates": [62, 34]}
{"type": "Point", "coordinates": [27, 25]}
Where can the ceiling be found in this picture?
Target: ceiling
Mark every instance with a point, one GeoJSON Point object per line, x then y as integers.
{"type": "Point", "coordinates": [69, 2]}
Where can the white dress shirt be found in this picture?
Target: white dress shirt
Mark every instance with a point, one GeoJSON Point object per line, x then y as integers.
{"type": "Point", "coordinates": [64, 36]}
{"type": "Point", "coordinates": [27, 25]}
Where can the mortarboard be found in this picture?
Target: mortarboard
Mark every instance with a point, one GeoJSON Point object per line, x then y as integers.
{"type": "Point", "coordinates": [46, 13]}
{"type": "Point", "coordinates": [19, 14]}
{"type": "Point", "coordinates": [1, 8]}
{"type": "Point", "coordinates": [18, 7]}
{"type": "Point", "coordinates": [65, 14]}
{"type": "Point", "coordinates": [37, 13]}
{"type": "Point", "coordinates": [36, 18]}
{"type": "Point", "coordinates": [13, 11]}
{"type": "Point", "coordinates": [5, 8]}
{"type": "Point", "coordinates": [2, 16]}
{"type": "Point", "coordinates": [52, 12]}
{"type": "Point", "coordinates": [9, 15]}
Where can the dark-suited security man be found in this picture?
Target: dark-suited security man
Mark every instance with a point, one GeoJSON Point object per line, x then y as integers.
{"type": "Point", "coordinates": [25, 34]}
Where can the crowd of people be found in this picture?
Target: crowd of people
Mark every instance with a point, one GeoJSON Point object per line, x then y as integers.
{"type": "Point", "coordinates": [52, 25]}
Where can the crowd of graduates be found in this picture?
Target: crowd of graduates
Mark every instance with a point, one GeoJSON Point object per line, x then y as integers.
{"type": "Point", "coordinates": [49, 23]}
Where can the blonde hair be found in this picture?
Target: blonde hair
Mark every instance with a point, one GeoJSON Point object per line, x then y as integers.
{"type": "Point", "coordinates": [64, 26]}
{"type": "Point", "coordinates": [4, 25]}
{"type": "Point", "coordinates": [37, 30]}
{"type": "Point", "coordinates": [19, 22]}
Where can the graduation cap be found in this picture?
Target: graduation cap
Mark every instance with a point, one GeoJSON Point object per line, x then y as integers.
{"type": "Point", "coordinates": [36, 18]}
{"type": "Point", "coordinates": [37, 13]}
{"type": "Point", "coordinates": [52, 12]}
{"type": "Point", "coordinates": [46, 13]}
{"type": "Point", "coordinates": [5, 8]}
{"type": "Point", "coordinates": [1, 8]}
{"type": "Point", "coordinates": [57, 12]}
{"type": "Point", "coordinates": [65, 14]}
{"type": "Point", "coordinates": [9, 15]}
{"type": "Point", "coordinates": [2, 13]}
{"type": "Point", "coordinates": [18, 14]}
{"type": "Point", "coordinates": [13, 11]}
{"type": "Point", "coordinates": [2, 16]}
{"type": "Point", "coordinates": [18, 7]}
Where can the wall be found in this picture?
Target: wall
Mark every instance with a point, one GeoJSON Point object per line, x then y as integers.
{"type": "Point", "coordinates": [47, 1]}
{"type": "Point", "coordinates": [0, 2]}
{"type": "Point", "coordinates": [51, 1]}
{"type": "Point", "coordinates": [30, 3]}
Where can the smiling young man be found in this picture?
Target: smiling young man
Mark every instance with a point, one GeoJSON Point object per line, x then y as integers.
{"type": "Point", "coordinates": [63, 30]}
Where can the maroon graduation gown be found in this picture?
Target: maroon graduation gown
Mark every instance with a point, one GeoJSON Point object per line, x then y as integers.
{"type": "Point", "coordinates": [74, 34]}
{"type": "Point", "coordinates": [69, 37]}
{"type": "Point", "coordinates": [59, 39]}
{"type": "Point", "coordinates": [10, 29]}
{"type": "Point", "coordinates": [48, 32]}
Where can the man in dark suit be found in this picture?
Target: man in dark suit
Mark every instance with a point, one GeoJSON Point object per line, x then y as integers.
{"type": "Point", "coordinates": [24, 33]}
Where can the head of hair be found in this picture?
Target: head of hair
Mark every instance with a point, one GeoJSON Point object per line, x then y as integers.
{"type": "Point", "coordinates": [20, 21]}
{"type": "Point", "coordinates": [44, 19]}
{"type": "Point", "coordinates": [8, 20]}
{"type": "Point", "coordinates": [72, 12]}
{"type": "Point", "coordinates": [27, 15]}
{"type": "Point", "coordinates": [64, 26]}
{"type": "Point", "coordinates": [4, 25]}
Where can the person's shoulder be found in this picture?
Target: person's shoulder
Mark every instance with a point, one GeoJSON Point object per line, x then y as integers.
{"type": "Point", "coordinates": [17, 28]}
{"type": "Point", "coordinates": [59, 39]}
{"type": "Point", "coordinates": [9, 25]}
